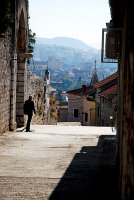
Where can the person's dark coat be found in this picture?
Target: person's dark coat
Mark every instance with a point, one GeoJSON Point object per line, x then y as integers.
{"type": "Point", "coordinates": [29, 107]}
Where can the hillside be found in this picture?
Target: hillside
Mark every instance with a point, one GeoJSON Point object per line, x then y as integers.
{"type": "Point", "coordinates": [71, 53]}
{"type": "Point", "coordinates": [69, 56]}
{"type": "Point", "coordinates": [66, 42]}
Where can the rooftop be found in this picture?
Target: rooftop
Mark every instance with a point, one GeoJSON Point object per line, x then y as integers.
{"type": "Point", "coordinates": [106, 80]}
{"type": "Point", "coordinates": [111, 88]}
{"type": "Point", "coordinates": [110, 91]}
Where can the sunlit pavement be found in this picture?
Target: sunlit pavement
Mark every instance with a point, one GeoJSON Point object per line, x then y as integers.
{"type": "Point", "coordinates": [54, 162]}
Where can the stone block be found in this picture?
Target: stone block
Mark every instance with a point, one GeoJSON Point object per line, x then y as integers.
{"type": "Point", "coordinates": [21, 119]}
{"type": "Point", "coordinates": [13, 77]}
{"type": "Point", "coordinates": [20, 77]}
{"type": "Point", "coordinates": [22, 83]}
{"type": "Point", "coordinates": [19, 112]}
{"type": "Point", "coordinates": [13, 92]}
{"type": "Point", "coordinates": [20, 105]}
{"type": "Point", "coordinates": [21, 71]}
{"type": "Point", "coordinates": [22, 66]}
{"type": "Point", "coordinates": [20, 94]}
{"type": "Point", "coordinates": [20, 89]}
{"type": "Point", "coordinates": [13, 106]}
{"type": "Point", "coordinates": [19, 99]}
{"type": "Point", "coordinates": [13, 100]}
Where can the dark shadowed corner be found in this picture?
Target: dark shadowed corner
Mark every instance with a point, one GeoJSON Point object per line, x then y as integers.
{"type": "Point", "coordinates": [92, 173]}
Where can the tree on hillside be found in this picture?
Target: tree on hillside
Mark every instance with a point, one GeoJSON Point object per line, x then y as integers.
{"type": "Point", "coordinates": [59, 92]}
{"type": "Point", "coordinates": [67, 83]}
{"type": "Point", "coordinates": [77, 84]}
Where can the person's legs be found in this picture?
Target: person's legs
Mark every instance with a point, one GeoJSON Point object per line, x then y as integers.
{"type": "Point", "coordinates": [28, 122]}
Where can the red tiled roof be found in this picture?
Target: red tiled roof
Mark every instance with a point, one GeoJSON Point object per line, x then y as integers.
{"type": "Point", "coordinates": [106, 80]}
{"type": "Point", "coordinates": [111, 90]}
{"type": "Point", "coordinates": [80, 91]}
{"type": "Point", "coordinates": [75, 92]}
{"type": "Point", "coordinates": [88, 89]}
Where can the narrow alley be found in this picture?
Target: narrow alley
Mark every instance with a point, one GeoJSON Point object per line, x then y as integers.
{"type": "Point", "coordinates": [58, 163]}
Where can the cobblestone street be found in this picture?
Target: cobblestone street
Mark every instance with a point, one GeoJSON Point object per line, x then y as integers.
{"type": "Point", "coordinates": [58, 163]}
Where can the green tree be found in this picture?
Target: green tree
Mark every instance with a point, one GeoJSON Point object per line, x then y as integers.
{"type": "Point", "coordinates": [59, 92]}
{"type": "Point", "coordinates": [6, 16]}
{"type": "Point", "coordinates": [67, 83]}
{"type": "Point", "coordinates": [77, 84]}
{"type": "Point", "coordinates": [31, 42]}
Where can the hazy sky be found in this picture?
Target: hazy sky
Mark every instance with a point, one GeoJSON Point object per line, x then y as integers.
{"type": "Point", "coordinates": [80, 19]}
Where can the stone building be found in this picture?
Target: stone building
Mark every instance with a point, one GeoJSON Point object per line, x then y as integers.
{"type": "Point", "coordinates": [104, 93]}
{"type": "Point", "coordinates": [5, 83]}
{"type": "Point", "coordinates": [35, 87]}
{"type": "Point", "coordinates": [13, 68]}
{"type": "Point", "coordinates": [108, 105]}
{"type": "Point", "coordinates": [95, 104]}
{"type": "Point", "coordinates": [63, 111]}
{"type": "Point", "coordinates": [14, 75]}
{"type": "Point", "coordinates": [79, 108]}
{"type": "Point", "coordinates": [123, 18]}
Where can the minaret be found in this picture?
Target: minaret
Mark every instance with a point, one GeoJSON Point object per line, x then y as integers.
{"type": "Point", "coordinates": [95, 76]}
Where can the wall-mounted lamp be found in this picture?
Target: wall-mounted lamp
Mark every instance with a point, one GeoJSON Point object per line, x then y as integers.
{"type": "Point", "coordinates": [111, 117]}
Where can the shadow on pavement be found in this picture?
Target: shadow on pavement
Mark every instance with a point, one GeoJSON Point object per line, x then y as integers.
{"type": "Point", "coordinates": [91, 175]}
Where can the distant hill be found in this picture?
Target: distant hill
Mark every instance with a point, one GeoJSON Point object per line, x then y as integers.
{"type": "Point", "coordinates": [66, 42]}
{"type": "Point", "coordinates": [71, 52]}
{"type": "Point", "coordinates": [67, 55]}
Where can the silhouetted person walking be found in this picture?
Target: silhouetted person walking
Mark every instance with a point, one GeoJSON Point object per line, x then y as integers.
{"type": "Point", "coordinates": [28, 110]}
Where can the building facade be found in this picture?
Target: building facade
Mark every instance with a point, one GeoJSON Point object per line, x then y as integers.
{"type": "Point", "coordinates": [105, 96]}
{"type": "Point", "coordinates": [79, 108]}
{"type": "Point", "coordinates": [63, 111]}
{"type": "Point", "coordinates": [13, 68]}
{"type": "Point", "coordinates": [123, 18]}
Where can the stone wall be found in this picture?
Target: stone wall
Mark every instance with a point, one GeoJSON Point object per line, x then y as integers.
{"type": "Point", "coordinates": [86, 110]}
{"type": "Point", "coordinates": [5, 82]}
{"type": "Point", "coordinates": [107, 109]}
{"type": "Point", "coordinates": [36, 89]}
{"type": "Point", "coordinates": [52, 115]}
{"type": "Point", "coordinates": [75, 102]}
{"type": "Point", "coordinates": [123, 17]}
{"type": "Point", "coordinates": [63, 111]}
{"type": "Point", "coordinates": [126, 107]}
{"type": "Point", "coordinates": [63, 114]}
{"type": "Point", "coordinates": [13, 69]}
{"type": "Point", "coordinates": [47, 98]}
{"type": "Point", "coordinates": [89, 109]}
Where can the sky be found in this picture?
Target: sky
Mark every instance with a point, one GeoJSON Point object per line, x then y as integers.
{"type": "Point", "coordinates": [79, 19]}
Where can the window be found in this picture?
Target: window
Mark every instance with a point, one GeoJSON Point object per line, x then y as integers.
{"type": "Point", "coordinates": [76, 113]}
{"type": "Point", "coordinates": [86, 117]}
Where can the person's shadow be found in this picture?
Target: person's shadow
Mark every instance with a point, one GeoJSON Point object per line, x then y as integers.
{"type": "Point", "coordinates": [91, 174]}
